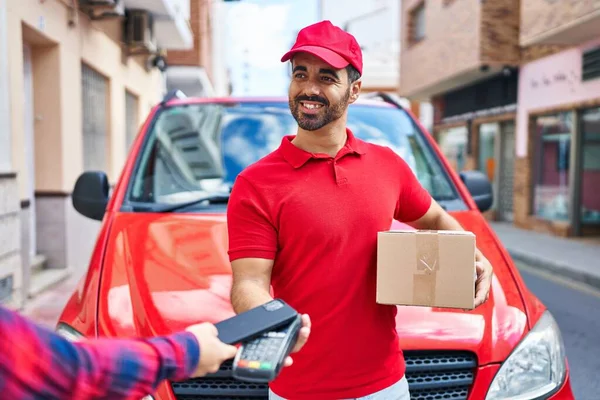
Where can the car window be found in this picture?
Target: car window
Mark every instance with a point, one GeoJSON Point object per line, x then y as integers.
{"type": "Point", "coordinates": [196, 150]}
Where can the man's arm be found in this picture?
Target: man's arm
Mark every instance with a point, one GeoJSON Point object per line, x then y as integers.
{"type": "Point", "coordinates": [416, 207]}
{"type": "Point", "coordinates": [251, 283]}
{"type": "Point", "coordinates": [36, 362]}
{"type": "Point", "coordinates": [436, 218]}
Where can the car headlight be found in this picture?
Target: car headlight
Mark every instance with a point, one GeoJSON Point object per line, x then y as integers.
{"type": "Point", "coordinates": [536, 367]}
{"type": "Point", "coordinates": [68, 332]}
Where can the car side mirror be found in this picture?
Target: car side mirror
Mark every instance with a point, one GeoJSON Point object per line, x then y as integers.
{"type": "Point", "coordinates": [480, 188]}
{"type": "Point", "coordinates": [90, 195]}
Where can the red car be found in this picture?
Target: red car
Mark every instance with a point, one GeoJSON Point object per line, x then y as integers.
{"type": "Point", "coordinates": [160, 261]}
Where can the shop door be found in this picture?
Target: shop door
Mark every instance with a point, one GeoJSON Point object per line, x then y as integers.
{"type": "Point", "coordinates": [506, 171]}
{"type": "Point", "coordinates": [589, 173]}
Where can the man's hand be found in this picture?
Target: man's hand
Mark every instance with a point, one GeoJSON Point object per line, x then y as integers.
{"type": "Point", "coordinates": [213, 352]}
{"type": "Point", "coordinates": [484, 281]}
{"type": "Point", "coordinates": [302, 338]}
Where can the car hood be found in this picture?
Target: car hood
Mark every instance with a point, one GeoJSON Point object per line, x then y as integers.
{"type": "Point", "coordinates": [164, 272]}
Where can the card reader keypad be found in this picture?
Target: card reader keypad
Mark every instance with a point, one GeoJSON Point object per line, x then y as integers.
{"type": "Point", "coordinates": [261, 359]}
{"type": "Point", "coordinates": [261, 353]}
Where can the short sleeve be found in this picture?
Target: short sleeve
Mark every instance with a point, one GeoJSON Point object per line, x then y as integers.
{"type": "Point", "coordinates": [251, 233]}
{"type": "Point", "coordinates": [414, 200]}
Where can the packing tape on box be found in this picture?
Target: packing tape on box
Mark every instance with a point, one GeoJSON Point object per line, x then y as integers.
{"type": "Point", "coordinates": [428, 263]}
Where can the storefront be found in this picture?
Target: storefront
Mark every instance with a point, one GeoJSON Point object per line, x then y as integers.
{"type": "Point", "coordinates": [475, 129]}
{"type": "Point", "coordinates": [558, 143]}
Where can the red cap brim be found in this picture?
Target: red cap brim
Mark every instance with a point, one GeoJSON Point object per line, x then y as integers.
{"type": "Point", "coordinates": [330, 57]}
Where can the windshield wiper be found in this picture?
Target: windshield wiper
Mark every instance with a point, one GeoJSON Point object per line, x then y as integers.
{"type": "Point", "coordinates": [214, 198]}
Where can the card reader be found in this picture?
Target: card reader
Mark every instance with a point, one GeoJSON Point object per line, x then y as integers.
{"type": "Point", "coordinates": [261, 359]}
{"type": "Point", "coordinates": [256, 321]}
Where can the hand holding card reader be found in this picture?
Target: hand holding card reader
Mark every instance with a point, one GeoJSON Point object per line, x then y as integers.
{"type": "Point", "coordinates": [261, 359]}
{"type": "Point", "coordinates": [267, 334]}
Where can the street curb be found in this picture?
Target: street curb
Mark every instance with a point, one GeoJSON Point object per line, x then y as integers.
{"type": "Point", "coordinates": [555, 267]}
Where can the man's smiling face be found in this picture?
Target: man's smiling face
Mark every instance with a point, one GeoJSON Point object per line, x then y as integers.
{"type": "Point", "coordinates": [318, 93]}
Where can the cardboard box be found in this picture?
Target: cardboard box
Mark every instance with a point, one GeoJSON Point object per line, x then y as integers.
{"type": "Point", "coordinates": [426, 268]}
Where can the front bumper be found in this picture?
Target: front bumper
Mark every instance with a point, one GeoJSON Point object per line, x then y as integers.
{"type": "Point", "coordinates": [483, 380]}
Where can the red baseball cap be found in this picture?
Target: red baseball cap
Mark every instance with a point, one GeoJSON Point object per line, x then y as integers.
{"type": "Point", "coordinates": [330, 43]}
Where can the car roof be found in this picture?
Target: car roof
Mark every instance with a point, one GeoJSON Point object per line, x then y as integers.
{"type": "Point", "coordinates": [257, 99]}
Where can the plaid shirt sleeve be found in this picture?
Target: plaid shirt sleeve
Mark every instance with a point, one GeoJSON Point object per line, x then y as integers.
{"type": "Point", "coordinates": [37, 363]}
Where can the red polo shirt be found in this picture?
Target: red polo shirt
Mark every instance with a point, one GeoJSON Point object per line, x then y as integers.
{"type": "Point", "coordinates": [317, 217]}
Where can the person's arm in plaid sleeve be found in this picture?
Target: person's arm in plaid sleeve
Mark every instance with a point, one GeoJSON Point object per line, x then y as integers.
{"type": "Point", "coordinates": [38, 363]}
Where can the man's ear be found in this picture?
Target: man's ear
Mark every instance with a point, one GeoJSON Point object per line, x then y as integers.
{"type": "Point", "coordinates": [355, 90]}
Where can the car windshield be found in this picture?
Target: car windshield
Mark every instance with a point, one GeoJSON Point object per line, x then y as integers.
{"type": "Point", "coordinates": [195, 151]}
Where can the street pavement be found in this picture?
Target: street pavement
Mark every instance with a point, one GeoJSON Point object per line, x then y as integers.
{"type": "Point", "coordinates": [574, 258]}
{"type": "Point", "coordinates": [576, 308]}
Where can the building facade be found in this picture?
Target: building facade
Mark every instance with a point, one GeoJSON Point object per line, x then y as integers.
{"type": "Point", "coordinates": [10, 228]}
{"type": "Point", "coordinates": [558, 122]}
{"type": "Point", "coordinates": [515, 91]}
{"type": "Point", "coordinates": [376, 25]}
{"type": "Point", "coordinates": [76, 81]}
{"type": "Point", "coordinates": [192, 71]}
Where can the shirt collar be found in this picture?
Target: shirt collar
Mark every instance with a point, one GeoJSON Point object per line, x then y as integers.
{"type": "Point", "coordinates": [297, 157]}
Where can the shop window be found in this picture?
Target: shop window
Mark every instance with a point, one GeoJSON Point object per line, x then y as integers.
{"type": "Point", "coordinates": [488, 134]}
{"type": "Point", "coordinates": [590, 166]}
{"type": "Point", "coordinates": [486, 160]}
{"type": "Point", "coordinates": [453, 143]}
{"type": "Point", "coordinates": [553, 147]}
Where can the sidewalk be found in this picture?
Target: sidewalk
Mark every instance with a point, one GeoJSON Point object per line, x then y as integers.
{"type": "Point", "coordinates": [46, 307]}
{"type": "Point", "coordinates": [572, 258]}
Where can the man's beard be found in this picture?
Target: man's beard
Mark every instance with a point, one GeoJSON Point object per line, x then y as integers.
{"type": "Point", "coordinates": [313, 122]}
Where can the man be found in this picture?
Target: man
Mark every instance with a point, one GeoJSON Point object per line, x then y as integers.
{"type": "Point", "coordinates": [305, 218]}
{"type": "Point", "coordinates": [36, 363]}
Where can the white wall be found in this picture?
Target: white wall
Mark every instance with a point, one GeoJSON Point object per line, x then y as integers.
{"type": "Point", "coordinates": [376, 26]}
{"type": "Point", "coordinates": [5, 144]}
{"type": "Point", "coordinates": [220, 79]}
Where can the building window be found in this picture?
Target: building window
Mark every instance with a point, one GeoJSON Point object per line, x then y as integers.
{"type": "Point", "coordinates": [590, 166]}
{"type": "Point", "coordinates": [590, 64]}
{"type": "Point", "coordinates": [416, 23]}
{"type": "Point", "coordinates": [553, 147]}
{"type": "Point", "coordinates": [131, 118]}
{"type": "Point", "coordinates": [95, 104]}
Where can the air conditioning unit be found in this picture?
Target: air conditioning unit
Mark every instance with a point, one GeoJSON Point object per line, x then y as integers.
{"type": "Point", "coordinates": [139, 32]}
{"type": "Point", "coordinates": [103, 9]}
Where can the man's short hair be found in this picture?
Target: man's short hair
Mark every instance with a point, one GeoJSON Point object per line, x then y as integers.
{"type": "Point", "coordinates": [353, 74]}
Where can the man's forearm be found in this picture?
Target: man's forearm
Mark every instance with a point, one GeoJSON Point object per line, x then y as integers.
{"type": "Point", "coordinates": [36, 362]}
{"type": "Point", "coordinates": [248, 294]}
{"type": "Point", "coordinates": [447, 222]}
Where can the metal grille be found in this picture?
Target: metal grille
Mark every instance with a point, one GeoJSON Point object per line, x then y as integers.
{"type": "Point", "coordinates": [431, 375]}
{"type": "Point", "coordinates": [591, 64]}
{"type": "Point", "coordinates": [131, 118]}
{"type": "Point", "coordinates": [94, 103]}
{"type": "Point", "coordinates": [507, 169]}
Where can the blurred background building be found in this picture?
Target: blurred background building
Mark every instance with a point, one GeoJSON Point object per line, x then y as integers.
{"type": "Point", "coordinates": [77, 79]}
{"type": "Point", "coordinates": [515, 87]}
